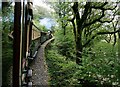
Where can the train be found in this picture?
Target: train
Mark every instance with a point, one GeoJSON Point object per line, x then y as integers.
{"type": "Point", "coordinates": [27, 39]}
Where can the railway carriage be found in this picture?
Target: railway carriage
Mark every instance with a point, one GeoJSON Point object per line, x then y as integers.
{"type": "Point", "coordinates": [26, 41]}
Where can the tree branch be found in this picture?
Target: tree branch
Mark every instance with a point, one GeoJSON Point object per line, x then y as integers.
{"type": "Point", "coordinates": [96, 20]}
{"type": "Point", "coordinates": [101, 7]}
{"type": "Point", "coordinates": [80, 22]}
{"type": "Point", "coordinates": [99, 33]}
{"type": "Point", "coordinates": [103, 14]}
{"type": "Point", "coordinates": [91, 30]}
{"type": "Point", "coordinates": [108, 21]}
{"type": "Point", "coordinates": [114, 26]}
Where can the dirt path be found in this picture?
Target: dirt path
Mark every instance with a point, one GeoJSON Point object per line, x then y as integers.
{"type": "Point", "coordinates": [40, 75]}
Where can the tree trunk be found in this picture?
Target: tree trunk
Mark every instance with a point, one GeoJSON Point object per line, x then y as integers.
{"type": "Point", "coordinates": [64, 28]}
{"type": "Point", "coordinates": [79, 29]}
{"type": "Point", "coordinates": [79, 49]}
{"type": "Point", "coordinates": [115, 38]}
{"type": "Point", "coordinates": [119, 45]}
{"type": "Point", "coordinates": [78, 34]}
{"type": "Point", "coordinates": [74, 29]}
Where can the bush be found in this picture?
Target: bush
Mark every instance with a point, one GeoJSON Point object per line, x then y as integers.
{"type": "Point", "coordinates": [65, 44]}
{"type": "Point", "coordinates": [100, 70]}
{"type": "Point", "coordinates": [59, 69]}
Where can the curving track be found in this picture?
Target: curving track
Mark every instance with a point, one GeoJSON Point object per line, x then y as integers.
{"type": "Point", "coordinates": [40, 75]}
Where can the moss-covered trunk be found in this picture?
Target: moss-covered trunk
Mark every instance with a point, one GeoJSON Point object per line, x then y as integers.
{"type": "Point", "coordinates": [78, 34]}
{"type": "Point", "coordinates": [79, 29]}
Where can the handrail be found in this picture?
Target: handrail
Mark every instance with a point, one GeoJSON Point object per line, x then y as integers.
{"type": "Point", "coordinates": [36, 26]}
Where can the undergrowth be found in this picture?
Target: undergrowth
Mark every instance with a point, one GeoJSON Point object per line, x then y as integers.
{"type": "Point", "coordinates": [7, 60]}
{"type": "Point", "coordinates": [99, 69]}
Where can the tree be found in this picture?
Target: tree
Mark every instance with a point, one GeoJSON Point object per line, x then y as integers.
{"type": "Point", "coordinates": [92, 13]}
{"type": "Point", "coordinates": [89, 20]}
{"type": "Point", "coordinates": [62, 9]}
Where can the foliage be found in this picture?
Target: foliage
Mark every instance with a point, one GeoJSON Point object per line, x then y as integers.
{"type": "Point", "coordinates": [100, 68]}
{"type": "Point", "coordinates": [6, 8]}
{"type": "Point", "coordinates": [100, 62]}
{"type": "Point", "coordinates": [65, 43]}
{"type": "Point", "coordinates": [7, 52]}
{"type": "Point", "coordinates": [60, 70]}
{"type": "Point", "coordinates": [7, 58]}
{"type": "Point", "coordinates": [102, 65]}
